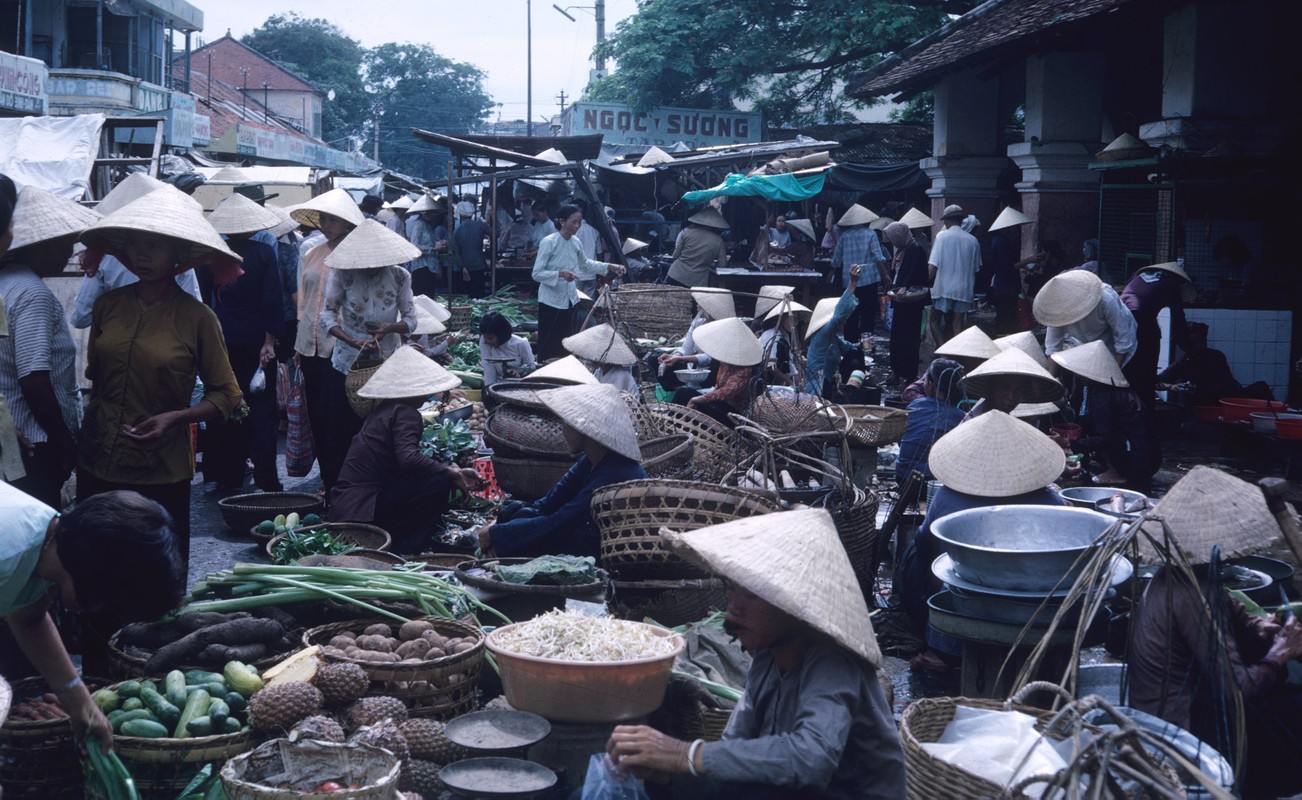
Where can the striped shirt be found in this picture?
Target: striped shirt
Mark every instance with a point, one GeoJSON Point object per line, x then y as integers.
{"type": "Point", "coordinates": [39, 341]}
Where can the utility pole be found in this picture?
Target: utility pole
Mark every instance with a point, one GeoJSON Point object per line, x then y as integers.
{"type": "Point", "coordinates": [377, 134]}
{"type": "Point", "coordinates": [266, 87]}
{"type": "Point", "coordinates": [528, 103]}
{"type": "Point", "coordinates": [600, 13]}
{"type": "Point", "coordinates": [560, 100]}
{"type": "Point", "coordinates": [244, 94]}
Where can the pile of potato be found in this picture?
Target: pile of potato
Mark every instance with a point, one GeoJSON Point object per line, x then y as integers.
{"type": "Point", "coordinates": [411, 643]}
{"type": "Point", "coordinates": [477, 419]}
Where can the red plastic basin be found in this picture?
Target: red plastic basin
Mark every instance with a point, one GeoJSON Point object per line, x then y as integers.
{"type": "Point", "coordinates": [1288, 428]}
{"type": "Point", "coordinates": [1239, 409]}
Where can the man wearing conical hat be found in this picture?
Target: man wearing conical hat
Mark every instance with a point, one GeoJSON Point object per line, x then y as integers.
{"type": "Point", "coordinates": [1077, 308]}
{"type": "Point", "coordinates": [859, 246]}
{"type": "Point", "coordinates": [953, 264]}
{"type": "Point", "coordinates": [813, 720]}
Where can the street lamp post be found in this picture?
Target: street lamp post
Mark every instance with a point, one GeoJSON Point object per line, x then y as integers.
{"type": "Point", "coordinates": [528, 103]}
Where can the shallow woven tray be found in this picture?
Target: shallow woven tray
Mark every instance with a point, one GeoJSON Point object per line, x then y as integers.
{"type": "Point", "coordinates": [358, 534]}
{"type": "Point", "coordinates": [631, 514]}
{"type": "Point", "coordinates": [520, 393]}
{"type": "Point", "coordinates": [528, 478]}
{"type": "Point", "coordinates": [495, 584]}
{"type": "Point", "coordinates": [440, 561]}
{"type": "Point", "coordinates": [523, 432]}
{"type": "Point", "coordinates": [245, 511]}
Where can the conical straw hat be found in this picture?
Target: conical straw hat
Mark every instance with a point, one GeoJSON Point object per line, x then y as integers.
{"type": "Point", "coordinates": [564, 370]}
{"type": "Point", "coordinates": [229, 174]}
{"type": "Point", "coordinates": [795, 561]}
{"type": "Point", "coordinates": [238, 214]}
{"type": "Point", "coordinates": [632, 245]}
{"type": "Point", "coordinates": [553, 155]}
{"type": "Point", "coordinates": [1027, 343]}
{"type": "Point", "coordinates": [654, 156]}
{"type": "Point", "coordinates": [407, 374]}
{"type": "Point", "coordinates": [769, 296]}
{"type": "Point", "coordinates": [1008, 218]}
{"type": "Point", "coordinates": [804, 226]}
{"type": "Point", "coordinates": [1187, 290]}
{"type": "Point", "coordinates": [427, 203]}
{"type": "Point", "coordinates": [426, 323]}
{"type": "Point", "coordinates": [790, 308]}
{"type": "Point", "coordinates": [856, 215]}
{"type": "Point", "coordinates": [916, 219]}
{"type": "Point", "coordinates": [1209, 507]}
{"type": "Point", "coordinates": [824, 310]}
{"type": "Point", "coordinates": [133, 187]}
{"type": "Point", "coordinates": [335, 202]}
{"type": "Point", "coordinates": [402, 203]}
{"type": "Point", "coordinates": [1067, 297]}
{"type": "Point", "coordinates": [710, 218]}
{"type": "Point", "coordinates": [434, 308]}
{"type": "Point", "coordinates": [166, 212]}
{"type": "Point", "coordinates": [598, 412]}
{"type": "Point", "coordinates": [971, 343]}
{"type": "Point", "coordinates": [40, 216]}
{"type": "Point", "coordinates": [286, 224]}
{"type": "Point", "coordinates": [369, 246]}
{"type": "Point", "coordinates": [1093, 361]}
{"type": "Point", "coordinates": [1032, 410]}
{"type": "Point", "coordinates": [716, 303]}
{"type": "Point", "coordinates": [995, 455]}
{"type": "Point", "coordinates": [729, 341]}
{"type": "Point", "coordinates": [601, 344]}
{"type": "Point", "coordinates": [1038, 386]}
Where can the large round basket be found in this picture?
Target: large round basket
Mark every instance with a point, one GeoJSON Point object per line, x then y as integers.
{"type": "Point", "coordinates": [440, 688]}
{"type": "Point", "coordinates": [38, 759]}
{"type": "Point", "coordinates": [648, 311]}
{"type": "Point", "coordinates": [358, 374]}
{"type": "Point", "coordinates": [714, 445]}
{"type": "Point", "coordinates": [124, 665]}
{"type": "Point", "coordinates": [671, 603]}
{"type": "Point", "coordinates": [668, 456]}
{"type": "Point", "coordinates": [373, 771]}
{"type": "Point", "coordinates": [520, 393]}
{"type": "Point", "coordinates": [875, 426]}
{"type": "Point", "coordinates": [519, 432]}
{"type": "Point", "coordinates": [782, 410]}
{"type": "Point", "coordinates": [529, 478]}
{"type": "Point", "coordinates": [856, 525]}
{"type": "Point", "coordinates": [459, 317]}
{"type": "Point", "coordinates": [244, 511]}
{"type": "Point", "coordinates": [357, 534]}
{"type": "Point", "coordinates": [631, 514]}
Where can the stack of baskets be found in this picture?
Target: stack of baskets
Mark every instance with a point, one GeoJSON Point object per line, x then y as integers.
{"type": "Point", "coordinates": [38, 759]}
{"type": "Point", "coordinates": [714, 445]}
{"type": "Point", "coordinates": [528, 441]}
{"type": "Point", "coordinates": [649, 580]}
{"type": "Point", "coordinates": [649, 311]}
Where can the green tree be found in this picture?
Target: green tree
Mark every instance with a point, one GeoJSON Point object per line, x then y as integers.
{"type": "Point", "coordinates": [412, 86]}
{"type": "Point", "coordinates": [787, 58]}
{"type": "Point", "coordinates": [318, 51]}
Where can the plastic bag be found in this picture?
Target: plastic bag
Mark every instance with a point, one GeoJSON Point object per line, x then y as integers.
{"type": "Point", "coordinates": [604, 782]}
{"type": "Point", "coordinates": [259, 382]}
{"type": "Point", "coordinates": [299, 452]}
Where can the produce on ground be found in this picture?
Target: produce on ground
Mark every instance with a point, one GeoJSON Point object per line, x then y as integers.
{"type": "Point", "coordinates": [571, 636]}
{"type": "Point", "coordinates": [183, 705]}
{"type": "Point", "coordinates": [548, 571]}
{"type": "Point", "coordinates": [285, 523]}
{"type": "Point", "coordinates": [309, 542]}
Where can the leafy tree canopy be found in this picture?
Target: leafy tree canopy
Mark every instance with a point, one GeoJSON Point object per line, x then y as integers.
{"type": "Point", "coordinates": [787, 58]}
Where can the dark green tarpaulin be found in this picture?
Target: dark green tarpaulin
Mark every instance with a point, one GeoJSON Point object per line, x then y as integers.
{"type": "Point", "coordinates": [787, 188]}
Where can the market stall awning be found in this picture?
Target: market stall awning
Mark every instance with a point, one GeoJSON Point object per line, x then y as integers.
{"type": "Point", "coordinates": [787, 188]}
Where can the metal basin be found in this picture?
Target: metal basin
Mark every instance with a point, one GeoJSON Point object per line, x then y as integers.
{"type": "Point", "coordinates": [1023, 548]}
{"type": "Point", "coordinates": [1090, 496]}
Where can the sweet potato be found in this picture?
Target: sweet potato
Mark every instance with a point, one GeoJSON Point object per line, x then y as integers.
{"type": "Point", "coordinates": [236, 632]}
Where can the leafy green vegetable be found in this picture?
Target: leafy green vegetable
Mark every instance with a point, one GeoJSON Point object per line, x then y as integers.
{"type": "Point", "coordinates": [551, 571]}
{"type": "Point", "coordinates": [308, 542]}
{"type": "Point", "coordinates": [446, 440]}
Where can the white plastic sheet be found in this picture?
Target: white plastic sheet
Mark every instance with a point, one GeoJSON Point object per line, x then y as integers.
{"type": "Point", "coordinates": [994, 744]}
{"type": "Point", "coordinates": [52, 153]}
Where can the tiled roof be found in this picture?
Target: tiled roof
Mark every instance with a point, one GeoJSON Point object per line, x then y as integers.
{"type": "Point", "coordinates": [983, 33]}
{"type": "Point", "coordinates": [230, 56]}
{"type": "Point", "coordinates": [870, 142]}
{"type": "Point", "coordinates": [225, 105]}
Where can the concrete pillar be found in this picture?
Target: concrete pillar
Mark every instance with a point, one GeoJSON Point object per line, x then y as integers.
{"type": "Point", "coordinates": [966, 163]}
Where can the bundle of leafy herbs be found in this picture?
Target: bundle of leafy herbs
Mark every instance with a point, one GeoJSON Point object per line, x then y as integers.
{"type": "Point", "coordinates": [308, 542]}
{"type": "Point", "coordinates": [504, 302]}
{"type": "Point", "coordinates": [447, 440]}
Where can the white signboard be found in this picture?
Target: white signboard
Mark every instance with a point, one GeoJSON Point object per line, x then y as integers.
{"type": "Point", "coordinates": [663, 126]}
{"type": "Point", "coordinates": [23, 84]}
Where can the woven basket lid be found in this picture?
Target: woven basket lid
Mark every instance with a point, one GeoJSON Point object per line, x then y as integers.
{"type": "Point", "coordinates": [434, 308]}
{"type": "Point", "coordinates": [1067, 297]}
{"type": "Point", "coordinates": [229, 174]}
{"type": "Point", "coordinates": [793, 560]}
{"type": "Point", "coordinates": [972, 342]}
{"type": "Point", "coordinates": [402, 203]}
{"type": "Point", "coordinates": [1009, 218]}
{"type": "Point", "coordinates": [995, 455]}
{"type": "Point", "coordinates": [1038, 386]}
{"type": "Point", "coordinates": [1032, 410]}
{"type": "Point", "coordinates": [426, 323]}
{"type": "Point", "coordinates": [602, 344]}
{"type": "Point", "coordinates": [710, 218]}
{"type": "Point", "coordinates": [40, 216]}
{"type": "Point", "coordinates": [916, 219]}
{"type": "Point", "coordinates": [428, 203]}
{"type": "Point", "coordinates": [856, 215]}
{"type": "Point", "coordinates": [1093, 361]}
{"type": "Point", "coordinates": [371, 245]}
{"type": "Point", "coordinates": [564, 370]}
{"type": "Point", "coordinates": [133, 187]}
{"type": "Point", "coordinates": [238, 214]}
{"type": "Point", "coordinates": [788, 308]}
{"type": "Point", "coordinates": [598, 412]}
{"type": "Point", "coordinates": [1027, 343]}
{"type": "Point", "coordinates": [730, 341]}
{"type": "Point", "coordinates": [716, 303]}
{"type": "Point", "coordinates": [804, 226]}
{"type": "Point", "coordinates": [1187, 290]}
{"type": "Point", "coordinates": [335, 202]}
{"type": "Point", "coordinates": [1209, 507]}
{"type": "Point", "coordinates": [407, 374]}
{"type": "Point", "coordinates": [654, 156]}
{"type": "Point", "coordinates": [769, 296]}
{"type": "Point", "coordinates": [286, 224]}
{"type": "Point", "coordinates": [166, 212]}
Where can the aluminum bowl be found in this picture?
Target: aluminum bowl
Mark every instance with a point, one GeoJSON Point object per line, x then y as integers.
{"type": "Point", "coordinates": [692, 377]}
{"type": "Point", "coordinates": [1022, 548]}
{"type": "Point", "coordinates": [1089, 496]}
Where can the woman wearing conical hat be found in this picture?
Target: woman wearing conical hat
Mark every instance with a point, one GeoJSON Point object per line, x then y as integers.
{"type": "Point", "coordinates": [711, 305]}
{"type": "Point", "coordinates": [1161, 286]}
{"type": "Point", "coordinates": [699, 248]}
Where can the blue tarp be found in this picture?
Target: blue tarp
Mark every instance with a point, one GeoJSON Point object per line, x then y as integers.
{"type": "Point", "coordinates": [788, 188]}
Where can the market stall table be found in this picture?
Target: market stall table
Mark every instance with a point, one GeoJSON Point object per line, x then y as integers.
{"type": "Point", "coordinates": [740, 279]}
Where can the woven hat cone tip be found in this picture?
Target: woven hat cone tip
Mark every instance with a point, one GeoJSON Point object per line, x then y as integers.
{"type": "Point", "coordinates": [1067, 297]}
{"type": "Point", "coordinates": [769, 295]}
{"type": "Point", "coordinates": [1187, 290]}
{"type": "Point", "coordinates": [598, 412]}
{"type": "Point", "coordinates": [1209, 507]}
{"type": "Point", "coordinates": [434, 308]}
{"type": "Point", "coordinates": [564, 370]}
{"type": "Point", "coordinates": [632, 245]}
{"type": "Point", "coordinates": [40, 216]}
{"type": "Point", "coordinates": [824, 310]}
{"type": "Point", "coordinates": [1038, 386]}
{"type": "Point", "coordinates": [804, 226]}
{"type": "Point", "coordinates": [166, 212]}
{"type": "Point", "coordinates": [371, 245]}
{"type": "Point", "coordinates": [602, 344]}
{"type": "Point", "coordinates": [229, 174]}
{"type": "Point", "coordinates": [793, 560]}
{"type": "Point", "coordinates": [132, 188]}
{"type": "Point", "coordinates": [790, 308]}
{"type": "Point", "coordinates": [995, 455]}
{"type": "Point", "coordinates": [407, 374]}
{"type": "Point", "coordinates": [971, 343]}
{"type": "Point", "coordinates": [916, 219]}
{"type": "Point", "coordinates": [654, 156]}
{"type": "Point", "coordinates": [286, 224]}
{"type": "Point", "coordinates": [1009, 218]}
{"type": "Point", "coordinates": [716, 303]}
{"type": "Point", "coordinates": [426, 323]}
{"type": "Point", "coordinates": [1027, 343]}
{"type": "Point", "coordinates": [428, 203]}
{"type": "Point", "coordinates": [710, 218]}
{"type": "Point", "coordinates": [1093, 361]}
{"type": "Point", "coordinates": [856, 215]}
{"type": "Point", "coordinates": [1031, 410]}
{"type": "Point", "coordinates": [335, 202]}
{"type": "Point", "coordinates": [238, 214]}
{"type": "Point", "coordinates": [729, 341]}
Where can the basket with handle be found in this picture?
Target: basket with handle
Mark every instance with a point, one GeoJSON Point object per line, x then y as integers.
{"type": "Point", "coordinates": [525, 432]}
{"type": "Point", "coordinates": [667, 456]}
{"type": "Point", "coordinates": [714, 446]}
{"type": "Point", "coordinates": [38, 758]}
{"type": "Point", "coordinates": [874, 426]}
{"type": "Point", "coordinates": [668, 602]}
{"type": "Point", "coordinates": [650, 311]}
{"type": "Point", "coordinates": [363, 367]}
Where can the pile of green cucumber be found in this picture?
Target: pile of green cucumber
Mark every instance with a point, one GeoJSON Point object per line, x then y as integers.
{"type": "Point", "coordinates": [183, 705]}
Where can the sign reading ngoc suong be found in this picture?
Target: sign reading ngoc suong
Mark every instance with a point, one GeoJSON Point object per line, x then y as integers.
{"type": "Point", "coordinates": [662, 126]}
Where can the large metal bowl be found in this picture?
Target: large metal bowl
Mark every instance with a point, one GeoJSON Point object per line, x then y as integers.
{"type": "Point", "coordinates": [1023, 548]}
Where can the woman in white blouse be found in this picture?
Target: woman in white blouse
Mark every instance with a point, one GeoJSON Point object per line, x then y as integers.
{"type": "Point", "coordinates": [559, 264]}
{"type": "Point", "coordinates": [502, 353]}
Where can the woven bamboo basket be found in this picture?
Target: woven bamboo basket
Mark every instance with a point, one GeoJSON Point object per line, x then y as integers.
{"type": "Point", "coordinates": [358, 374]}
{"type": "Point", "coordinates": [703, 722]}
{"type": "Point", "coordinates": [856, 525]}
{"type": "Point", "coordinates": [631, 514]}
{"type": "Point", "coordinates": [359, 535]}
{"type": "Point", "coordinates": [38, 759]}
{"type": "Point", "coordinates": [782, 410]}
{"type": "Point", "coordinates": [243, 512]}
{"type": "Point", "coordinates": [714, 446]}
{"type": "Point", "coordinates": [441, 688]}
{"type": "Point", "coordinates": [236, 786]}
{"type": "Point", "coordinates": [668, 456]}
{"type": "Point", "coordinates": [127, 666]}
{"type": "Point", "coordinates": [441, 561]}
{"type": "Point", "coordinates": [525, 432]}
{"type": "Point", "coordinates": [644, 422]}
{"type": "Point", "coordinates": [520, 393]}
{"type": "Point", "coordinates": [529, 478]}
{"type": "Point", "coordinates": [875, 426]}
{"type": "Point", "coordinates": [671, 603]}
{"type": "Point", "coordinates": [648, 311]}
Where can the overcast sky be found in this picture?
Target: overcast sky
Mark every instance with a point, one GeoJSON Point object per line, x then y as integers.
{"type": "Point", "coordinates": [490, 34]}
